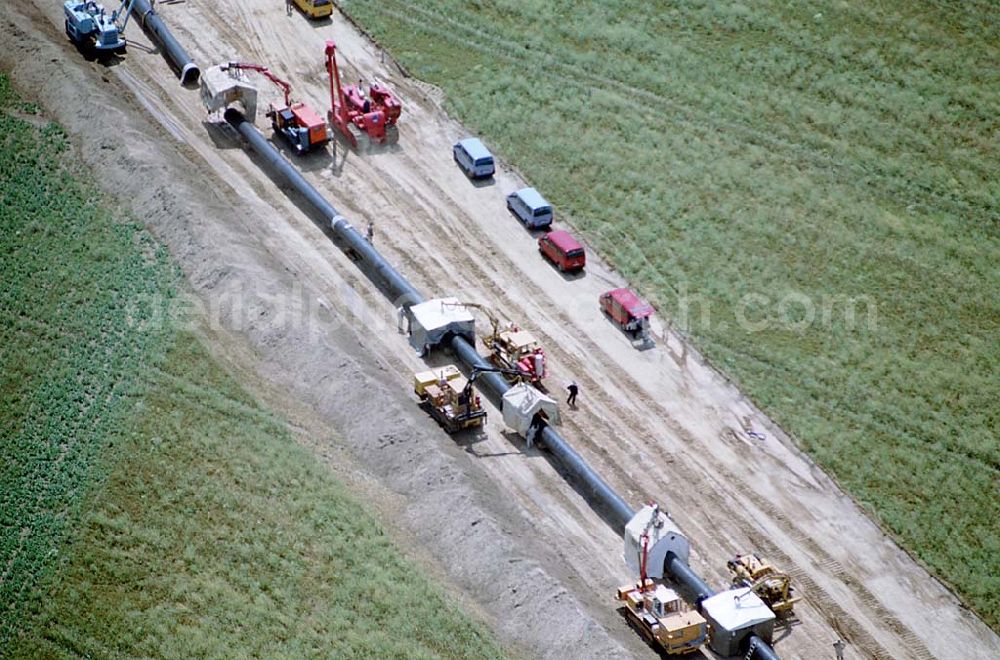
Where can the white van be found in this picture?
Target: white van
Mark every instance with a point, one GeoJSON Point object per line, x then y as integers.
{"type": "Point", "coordinates": [530, 208]}
{"type": "Point", "coordinates": [474, 158]}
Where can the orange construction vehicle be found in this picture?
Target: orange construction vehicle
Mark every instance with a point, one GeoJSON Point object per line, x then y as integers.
{"type": "Point", "coordinates": [301, 126]}
{"type": "Point", "coordinates": [357, 115]}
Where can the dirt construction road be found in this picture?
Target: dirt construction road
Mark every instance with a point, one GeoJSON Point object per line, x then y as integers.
{"type": "Point", "coordinates": [656, 424]}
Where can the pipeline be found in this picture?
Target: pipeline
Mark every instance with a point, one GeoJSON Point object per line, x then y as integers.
{"type": "Point", "coordinates": [617, 511]}
{"type": "Point", "coordinates": [695, 590]}
{"type": "Point", "coordinates": [161, 36]}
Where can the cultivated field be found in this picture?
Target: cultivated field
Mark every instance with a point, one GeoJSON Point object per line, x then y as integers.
{"type": "Point", "coordinates": [808, 190]}
{"type": "Point", "coordinates": [148, 505]}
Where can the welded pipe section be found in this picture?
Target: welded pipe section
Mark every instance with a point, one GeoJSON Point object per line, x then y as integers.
{"type": "Point", "coordinates": [695, 590]}
{"type": "Point", "coordinates": [692, 587]}
{"type": "Point", "coordinates": [161, 36]}
{"type": "Point", "coordinates": [614, 507]}
{"type": "Point", "coordinates": [397, 286]}
{"type": "Point", "coordinates": [618, 512]}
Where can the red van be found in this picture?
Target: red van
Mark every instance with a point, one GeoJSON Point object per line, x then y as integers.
{"type": "Point", "coordinates": [628, 311]}
{"type": "Point", "coordinates": [563, 250]}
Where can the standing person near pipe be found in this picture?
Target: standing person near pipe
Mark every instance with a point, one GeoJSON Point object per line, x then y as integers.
{"type": "Point", "coordinates": [671, 563]}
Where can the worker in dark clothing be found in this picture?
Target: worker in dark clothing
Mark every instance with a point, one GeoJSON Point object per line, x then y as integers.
{"type": "Point", "coordinates": [573, 390]}
{"type": "Point", "coordinates": [370, 232]}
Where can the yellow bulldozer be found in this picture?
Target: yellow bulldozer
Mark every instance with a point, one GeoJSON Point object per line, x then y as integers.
{"type": "Point", "coordinates": [773, 586]}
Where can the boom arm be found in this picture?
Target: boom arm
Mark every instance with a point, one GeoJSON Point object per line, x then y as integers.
{"type": "Point", "coordinates": [264, 71]}
{"type": "Point", "coordinates": [476, 371]}
{"type": "Point", "coordinates": [490, 314]}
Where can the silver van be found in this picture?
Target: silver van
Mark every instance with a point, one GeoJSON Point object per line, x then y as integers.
{"type": "Point", "coordinates": [474, 158]}
{"type": "Point", "coordinates": [530, 208]}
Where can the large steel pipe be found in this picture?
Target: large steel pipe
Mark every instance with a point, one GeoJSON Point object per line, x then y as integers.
{"type": "Point", "coordinates": [602, 496]}
{"type": "Point", "coordinates": [600, 493]}
{"type": "Point", "coordinates": [397, 286]}
{"type": "Point", "coordinates": [161, 36]}
{"type": "Point", "coordinates": [695, 590]}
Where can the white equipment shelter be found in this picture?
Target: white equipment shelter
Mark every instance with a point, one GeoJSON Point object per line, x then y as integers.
{"type": "Point", "coordinates": [432, 321]}
{"type": "Point", "coordinates": [222, 87]}
{"type": "Point", "coordinates": [664, 536]}
{"type": "Point", "coordinates": [733, 615]}
{"type": "Point", "coordinates": [520, 405]}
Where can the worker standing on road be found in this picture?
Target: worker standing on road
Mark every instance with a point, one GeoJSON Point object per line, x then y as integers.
{"type": "Point", "coordinates": [839, 646]}
{"type": "Point", "coordinates": [573, 390]}
{"type": "Point", "coordinates": [370, 232]}
{"type": "Point", "coordinates": [288, 7]}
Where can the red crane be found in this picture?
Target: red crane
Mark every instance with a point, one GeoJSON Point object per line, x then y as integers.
{"type": "Point", "coordinates": [353, 113]}
{"type": "Point", "coordinates": [299, 124]}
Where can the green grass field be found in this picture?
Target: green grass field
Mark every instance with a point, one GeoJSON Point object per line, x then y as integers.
{"type": "Point", "coordinates": [808, 190]}
{"type": "Point", "coordinates": [148, 506]}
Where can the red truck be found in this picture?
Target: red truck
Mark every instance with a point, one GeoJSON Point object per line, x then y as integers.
{"type": "Point", "coordinates": [563, 250]}
{"type": "Point", "coordinates": [627, 310]}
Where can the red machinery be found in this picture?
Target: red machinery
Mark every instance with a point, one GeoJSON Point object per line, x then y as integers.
{"type": "Point", "coordinates": [299, 124]}
{"type": "Point", "coordinates": [355, 114]}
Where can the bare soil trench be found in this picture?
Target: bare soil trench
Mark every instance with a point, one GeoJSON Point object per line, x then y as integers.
{"type": "Point", "coordinates": [493, 518]}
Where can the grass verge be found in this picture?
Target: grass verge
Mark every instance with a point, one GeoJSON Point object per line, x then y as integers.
{"type": "Point", "coordinates": [148, 506]}
{"type": "Point", "coordinates": [807, 189]}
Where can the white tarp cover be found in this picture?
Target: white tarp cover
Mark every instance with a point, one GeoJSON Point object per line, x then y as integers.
{"type": "Point", "coordinates": [522, 402]}
{"type": "Point", "coordinates": [737, 609]}
{"type": "Point", "coordinates": [432, 320]}
{"type": "Point", "coordinates": [220, 89]}
{"type": "Point", "coordinates": [664, 537]}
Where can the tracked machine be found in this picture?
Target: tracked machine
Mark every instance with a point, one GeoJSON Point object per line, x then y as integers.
{"type": "Point", "coordinates": [93, 29]}
{"type": "Point", "coordinates": [361, 118]}
{"type": "Point", "coordinates": [512, 348]}
{"type": "Point", "coordinates": [653, 608]}
{"type": "Point", "coordinates": [771, 585]}
{"type": "Point", "coordinates": [451, 398]}
{"type": "Point", "coordinates": [299, 125]}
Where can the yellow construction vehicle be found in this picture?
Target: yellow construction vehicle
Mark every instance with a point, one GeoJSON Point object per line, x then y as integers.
{"type": "Point", "coordinates": [773, 586]}
{"type": "Point", "coordinates": [450, 398]}
{"type": "Point", "coordinates": [657, 611]}
{"type": "Point", "coordinates": [315, 8]}
{"type": "Point", "coordinates": [511, 348]}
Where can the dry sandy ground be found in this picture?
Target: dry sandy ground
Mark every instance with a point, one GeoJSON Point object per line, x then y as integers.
{"type": "Point", "coordinates": [493, 519]}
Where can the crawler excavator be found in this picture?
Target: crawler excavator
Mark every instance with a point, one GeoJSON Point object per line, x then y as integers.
{"type": "Point", "coordinates": [773, 586]}
{"type": "Point", "coordinates": [511, 348]}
